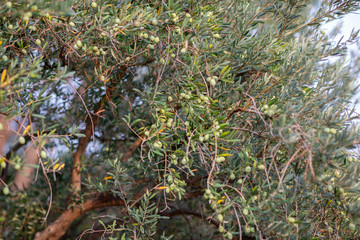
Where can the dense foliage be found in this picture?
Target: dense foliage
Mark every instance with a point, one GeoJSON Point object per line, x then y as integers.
{"type": "Point", "coordinates": [178, 119]}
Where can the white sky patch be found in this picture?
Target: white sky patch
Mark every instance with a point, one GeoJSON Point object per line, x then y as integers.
{"type": "Point", "coordinates": [350, 22]}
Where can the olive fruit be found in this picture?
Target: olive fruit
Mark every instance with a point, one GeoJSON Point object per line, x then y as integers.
{"type": "Point", "coordinates": [21, 140]}
{"type": "Point", "coordinates": [291, 219]}
{"type": "Point", "coordinates": [261, 167]}
{"type": "Point", "coordinates": [229, 235]}
{"type": "Point", "coordinates": [43, 154]}
{"type": "Point", "coordinates": [6, 190]}
{"type": "Point", "coordinates": [17, 166]}
{"type": "Point", "coordinates": [245, 211]}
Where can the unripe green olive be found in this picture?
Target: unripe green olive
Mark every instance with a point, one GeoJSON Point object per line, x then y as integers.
{"type": "Point", "coordinates": [3, 164]}
{"type": "Point", "coordinates": [93, 4]}
{"type": "Point", "coordinates": [232, 176]}
{"type": "Point", "coordinates": [17, 166]}
{"type": "Point", "coordinates": [79, 43]}
{"type": "Point", "coordinates": [261, 167]}
{"type": "Point", "coordinates": [206, 137]}
{"type": "Point", "coordinates": [6, 190]}
{"type": "Point", "coordinates": [245, 211]}
{"type": "Point", "coordinates": [154, 22]}
{"type": "Point", "coordinates": [22, 140]}
{"type": "Point", "coordinates": [291, 219]}
{"type": "Point", "coordinates": [248, 169]}
{"type": "Point", "coordinates": [221, 229]}
{"type": "Point", "coordinates": [229, 235]}
{"type": "Point", "coordinates": [208, 191]}
{"type": "Point", "coordinates": [220, 217]}
{"type": "Point", "coordinates": [43, 154]}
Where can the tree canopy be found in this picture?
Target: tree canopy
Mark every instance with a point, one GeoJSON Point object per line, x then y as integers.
{"type": "Point", "coordinates": [177, 120]}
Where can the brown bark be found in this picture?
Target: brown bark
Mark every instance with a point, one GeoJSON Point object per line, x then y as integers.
{"type": "Point", "coordinates": [24, 176]}
{"type": "Point", "coordinates": [132, 149]}
{"type": "Point", "coordinates": [5, 133]}
{"type": "Point", "coordinates": [58, 228]}
{"type": "Point", "coordinates": [91, 122]}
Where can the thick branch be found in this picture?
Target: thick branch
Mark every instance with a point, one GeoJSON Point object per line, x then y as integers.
{"type": "Point", "coordinates": [58, 228]}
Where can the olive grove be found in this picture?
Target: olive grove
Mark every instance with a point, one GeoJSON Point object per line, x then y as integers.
{"type": "Point", "coordinates": [183, 119]}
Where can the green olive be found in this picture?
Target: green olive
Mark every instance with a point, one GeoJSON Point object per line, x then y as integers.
{"type": "Point", "coordinates": [6, 190]}
{"type": "Point", "coordinates": [245, 211]}
{"type": "Point", "coordinates": [220, 217]}
{"type": "Point", "coordinates": [291, 219]}
{"type": "Point", "coordinates": [43, 154]}
{"type": "Point", "coordinates": [22, 140]}
{"type": "Point", "coordinates": [17, 166]}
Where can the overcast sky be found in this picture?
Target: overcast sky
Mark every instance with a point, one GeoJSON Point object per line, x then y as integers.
{"type": "Point", "coordinates": [348, 23]}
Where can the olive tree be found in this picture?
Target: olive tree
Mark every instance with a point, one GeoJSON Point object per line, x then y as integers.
{"type": "Point", "coordinates": [177, 119]}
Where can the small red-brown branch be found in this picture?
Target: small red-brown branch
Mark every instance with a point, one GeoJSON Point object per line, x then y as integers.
{"type": "Point", "coordinates": [88, 132]}
{"type": "Point", "coordinates": [58, 228]}
{"type": "Point", "coordinates": [132, 149]}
